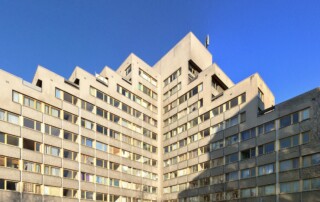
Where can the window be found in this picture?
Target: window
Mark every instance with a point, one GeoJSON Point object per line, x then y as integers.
{"type": "Point", "coordinates": [9, 162]}
{"type": "Point", "coordinates": [69, 193]}
{"type": "Point", "coordinates": [269, 126]}
{"type": "Point", "coordinates": [247, 154]}
{"type": "Point", "coordinates": [217, 162]}
{"type": "Point", "coordinates": [216, 145]}
{"type": "Point", "coordinates": [32, 124]}
{"type": "Point", "coordinates": [51, 130]}
{"type": "Point", "coordinates": [232, 176]}
{"type": "Point", "coordinates": [289, 164]}
{"type": "Point", "coordinates": [51, 150]}
{"type": "Point", "coordinates": [260, 95]}
{"type": "Point", "coordinates": [31, 188]}
{"type": "Point", "coordinates": [172, 77]}
{"type": "Point", "coordinates": [232, 139]}
{"type": "Point", "coordinates": [87, 124]}
{"type": "Point", "coordinates": [70, 136]}
{"type": "Point", "coordinates": [31, 166]}
{"type": "Point", "coordinates": [232, 195]}
{"type": "Point", "coordinates": [232, 158]}
{"type": "Point", "coordinates": [311, 184]}
{"type": "Point", "coordinates": [250, 192]}
{"type": "Point", "coordinates": [2, 115]}
{"type": "Point", "coordinates": [32, 103]}
{"type": "Point", "coordinates": [128, 70]}
{"type": "Point", "coordinates": [87, 141]}
{"type": "Point", "coordinates": [70, 154]}
{"type": "Point", "coordinates": [305, 114]}
{"type": "Point", "coordinates": [289, 142]}
{"type": "Point", "coordinates": [70, 174]}
{"type": "Point", "coordinates": [101, 180]}
{"type": "Point", "coordinates": [50, 170]}
{"type": "Point", "coordinates": [70, 117]}
{"type": "Point", "coordinates": [288, 187]}
{"type": "Point", "coordinates": [13, 118]}
{"type": "Point", "coordinates": [232, 121]}
{"type": "Point", "coordinates": [31, 145]}
{"type": "Point", "coordinates": [306, 137]}
{"type": "Point", "coordinates": [52, 111]}
{"type": "Point", "coordinates": [87, 177]}
{"type": "Point", "coordinates": [86, 194]}
{"type": "Point", "coordinates": [8, 185]}
{"type": "Point", "coordinates": [266, 169]}
{"type": "Point", "coordinates": [247, 173]}
{"type": "Point", "coordinates": [266, 148]}
{"type": "Point", "coordinates": [9, 139]}
{"type": "Point", "coordinates": [285, 121]}
{"type": "Point", "coordinates": [102, 147]}
{"type": "Point", "coordinates": [52, 191]}
{"type": "Point", "coordinates": [87, 106]}
{"type": "Point", "coordinates": [248, 134]}
{"type": "Point", "coordinates": [101, 163]}
{"type": "Point", "coordinates": [87, 159]}
{"type": "Point", "coordinates": [311, 160]}
{"type": "Point", "coordinates": [15, 96]}
{"type": "Point", "coordinates": [267, 190]}
{"type": "Point", "coordinates": [101, 129]}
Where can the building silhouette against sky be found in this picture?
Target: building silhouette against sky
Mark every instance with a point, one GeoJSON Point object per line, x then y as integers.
{"type": "Point", "coordinates": [178, 131]}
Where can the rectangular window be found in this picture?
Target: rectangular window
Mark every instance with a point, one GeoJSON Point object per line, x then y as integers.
{"type": "Point", "coordinates": [267, 190]}
{"type": "Point", "coordinates": [31, 166]}
{"type": "Point", "coordinates": [232, 158]}
{"type": "Point", "coordinates": [52, 191]}
{"type": "Point", "coordinates": [67, 154]}
{"type": "Point", "coordinates": [250, 192]}
{"type": "Point", "coordinates": [289, 187]}
{"type": "Point", "coordinates": [266, 148]}
{"type": "Point", "coordinates": [13, 118]}
{"type": "Point", "coordinates": [70, 174]}
{"type": "Point", "coordinates": [70, 136]}
{"type": "Point", "coordinates": [248, 153]}
{"type": "Point", "coordinates": [289, 164]}
{"type": "Point", "coordinates": [311, 160]}
{"type": "Point", "coordinates": [232, 139]}
{"type": "Point", "coordinates": [32, 124]}
{"type": "Point", "coordinates": [87, 124]}
{"type": "Point", "coordinates": [305, 114]}
{"type": "Point", "coordinates": [247, 173]}
{"type": "Point", "coordinates": [270, 126]}
{"type": "Point", "coordinates": [232, 176]}
{"type": "Point", "coordinates": [248, 134]}
{"type": "Point", "coordinates": [289, 142]}
{"type": "Point", "coordinates": [70, 117]}
{"type": "Point", "coordinates": [51, 150]}
{"type": "Point", "coordinates": [31, 145]}
{"type": "Point", "coordinates": [266, 169]}
{"type": "Point", "coordinates": [311, 184]}
{"type": "Point", "coordinates": [102, 147]}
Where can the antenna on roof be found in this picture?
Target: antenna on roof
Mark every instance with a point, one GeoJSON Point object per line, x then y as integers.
{"type": "Point", "coordinates": [207, 41]}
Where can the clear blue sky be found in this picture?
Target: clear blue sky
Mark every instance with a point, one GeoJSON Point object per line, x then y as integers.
{"type": "Point", "coordinates": [278, 39]}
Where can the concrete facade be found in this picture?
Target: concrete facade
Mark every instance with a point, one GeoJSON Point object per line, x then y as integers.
{"type": "Point", "coordinates": [178, 131]}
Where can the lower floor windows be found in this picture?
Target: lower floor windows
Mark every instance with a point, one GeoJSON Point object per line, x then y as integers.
{"type": "Point", "coordinates": [31, 188]}
{"type": "Point", "coordinates": [267, 190]}
{"type": "Point", "coordinates": [288, 187]}
{"type": "Point", "coordinates": [8, 185]}
{"type": "Point", "coordinates": [311, 184]}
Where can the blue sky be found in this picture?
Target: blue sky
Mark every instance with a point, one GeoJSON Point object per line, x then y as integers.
{"type": "Point", "coordinates": [278, 39]}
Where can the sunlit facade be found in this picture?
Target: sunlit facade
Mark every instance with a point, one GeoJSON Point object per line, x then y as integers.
{"type": "Point", "coordinates": [180, 131]}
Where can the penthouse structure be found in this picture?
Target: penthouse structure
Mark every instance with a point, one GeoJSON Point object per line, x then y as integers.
{"type": "Point", "coordinates": [180, 131]}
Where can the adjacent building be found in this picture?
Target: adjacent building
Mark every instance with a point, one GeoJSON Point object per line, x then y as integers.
{"type": "Point", "coordinates": [180, 131]}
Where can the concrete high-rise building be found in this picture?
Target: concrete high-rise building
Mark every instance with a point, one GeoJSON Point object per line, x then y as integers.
{"type": "Point", "coordinates": [180, 131]}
